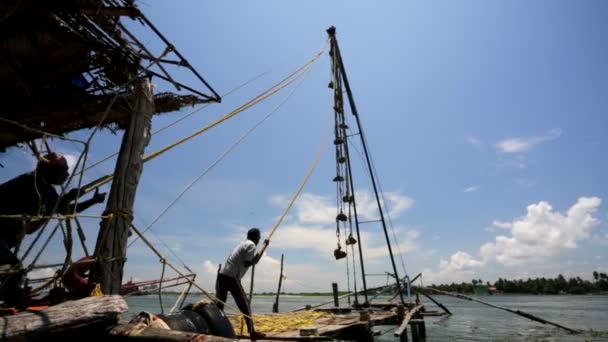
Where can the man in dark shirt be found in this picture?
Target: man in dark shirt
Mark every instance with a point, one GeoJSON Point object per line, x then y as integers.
{"type": "Point", "coordinates": [34, 194]}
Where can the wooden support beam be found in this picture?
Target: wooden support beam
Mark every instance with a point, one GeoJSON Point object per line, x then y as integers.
{"type": "Point", "coordinates": [334, 289]}
{"type": "Point", "coordinates": [434, 301]}
{"type": "Point", "coordinates": [63, 318]}
{"type": "Point", "coordinates": [407, 319]}
{"type": "Point", "coordinates": [420, 327]}
{"type": "Point", "coordinates": [111, 244]}
{"type": "Point", "coordinates": [140, 332]}
{"type": "Point", "coordinates": [111, 11]}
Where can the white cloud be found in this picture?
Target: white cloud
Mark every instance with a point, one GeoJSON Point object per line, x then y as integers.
{"type": "Point", "coordinates": [397, 203]}
{"type": "Point", "coordinates": [459, 267]}
{"type": "Point", "coordinates": [308, 237]}
{"type": "Point", "coordinates": [473, 141]}
{"type": "Point", "coordinates": [524, 144]}
{"type": "Point", "coordinates": [323, 241]}
{"type": "Point", "coordinates": [210, 267]}
{"type": "Point", "coordinates": [543, 232]}
{"type": "Point", "coordinates": [534, 237]}
{"type": "Point", "coordinates": [500, 224]}
{"type": "Point", "coordinates": [367, 207]}
{"type": "Point", "coordinates": [71, 159]}
{"type": "Point", "coordinates": [315, 209]}
{"type": "Point", "coordinates": [41, 273]}
{"type": "Point", "coordinates": [322, 210]}
{"type": "Point", "coordinates": [459, 261]}
{"type": "Point", "coordinates": [526, 183]}
{"type": "Point", "coordinates": [312, 225]}
{"type": "Point", "coordinates": [472, 188]}
{"type": "Point", "coordinates": [177, 247]}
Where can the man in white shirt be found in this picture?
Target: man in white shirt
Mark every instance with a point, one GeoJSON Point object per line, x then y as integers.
{"type": "Point", "coordinates": [229, 277]}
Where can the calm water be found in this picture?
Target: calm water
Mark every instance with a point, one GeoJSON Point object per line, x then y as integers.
{"type": "Point", "coordinates": [470, 321]}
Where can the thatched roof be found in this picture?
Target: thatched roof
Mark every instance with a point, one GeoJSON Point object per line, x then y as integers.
{"type": "Point", "coordinates": [63, 61]}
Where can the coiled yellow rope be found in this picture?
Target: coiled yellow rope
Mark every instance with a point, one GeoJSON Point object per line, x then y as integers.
{"type": "Point", "coordinates": [280, 322]}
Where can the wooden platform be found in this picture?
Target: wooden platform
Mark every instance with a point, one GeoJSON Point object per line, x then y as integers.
{"type": "Point", "coordinates": [355, 325]}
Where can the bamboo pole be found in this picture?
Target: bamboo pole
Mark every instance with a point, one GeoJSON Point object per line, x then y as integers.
{"type": "Point", "coordinates": [434, 301]}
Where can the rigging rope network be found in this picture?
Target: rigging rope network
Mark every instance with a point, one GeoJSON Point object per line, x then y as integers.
{"type": "Point", "coordinates": [288, 80]}
{"type": "Point", "coordinates": [103, 180]}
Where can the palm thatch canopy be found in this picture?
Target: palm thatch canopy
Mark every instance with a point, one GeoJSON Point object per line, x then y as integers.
{"type": "Point", "coordinates": [63, 62]}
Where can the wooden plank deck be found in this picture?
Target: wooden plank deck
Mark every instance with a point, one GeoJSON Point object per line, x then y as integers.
{"type": "Point", "coordinates": [332, 325]}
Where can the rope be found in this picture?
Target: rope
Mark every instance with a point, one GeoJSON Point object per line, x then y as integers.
{"type": "Point", "coordinates": [82, 157]}
{"type": "Point", "coordinates": [97, 291]}
{"type": "Point", "coordinates": [222, 156]}
{"type": "Point", "coordinates": [302, 184]}
{"type": "Point", "coordinates": [171, 124]}
{"type": "Point", "coordinates": [259, 98]}
{"type": "Point", "coordinates": [293, 199]}
{"type": "Point", "coordinates": [390, 221]}
{"type": "Point", "coordinates": [205, 292]}
{"type": "Point", "coordinates": [46, 242]}
{"type": "Point", "coordinates": [35, 130]}
{"type": "Point", "coordinates": [181, 297]}
{"type": "Point", "coordinates": [81, 237]}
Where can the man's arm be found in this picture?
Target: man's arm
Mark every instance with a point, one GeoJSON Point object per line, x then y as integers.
{"type": "Point", "coordinates": [82, 206]}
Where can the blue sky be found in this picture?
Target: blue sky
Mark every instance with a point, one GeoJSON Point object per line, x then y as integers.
{"type": "Point", "coordinates": [486, 122]}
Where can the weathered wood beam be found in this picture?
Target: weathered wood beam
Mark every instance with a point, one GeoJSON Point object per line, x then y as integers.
{"type": "Point", "coordinates": [407, 319]}
{"type": "Point", "coordinates": [111, 11]}
{"type": "Point", "coordinates": [139, 332]}
{"type": "Point", "coordinates": [111, 244]}
{"type": "Point", "coordinates": [61, 318]}
{"type": "Point", "coordinates": [73, 118]}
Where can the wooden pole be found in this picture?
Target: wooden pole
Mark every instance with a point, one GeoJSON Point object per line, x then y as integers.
{"type": "Point", "coordinates": [111, 243]}
{"type": "Point", "coordinates": [308, 307]}
{"type": "Point", "coordinates": [434, 301]}
{"type": "Point", "coordinates": [410, 315]}
{"type": "Point", "coordinates": [334, 288]}
{"type": "Point", "coordinates": [275, 306]}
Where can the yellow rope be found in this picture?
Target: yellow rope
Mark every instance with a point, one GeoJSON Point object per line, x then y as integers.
{"type": "Point", "coordinates": [262, 96]}
{"type": "Point", "coordinates": [293, 199]}
{"type": "Point", "coordinates": [222, 156]}
{"type": "Point", "coordinates": [302, 184]}
{"type": "Point", "coordinates": [205, 292]}
{"type": "Point", "coordinates": [97, 291]}
{"type": "Point", "coordinates": [280, 322]}
{"type": "Point", "coordinates": [175, 122]}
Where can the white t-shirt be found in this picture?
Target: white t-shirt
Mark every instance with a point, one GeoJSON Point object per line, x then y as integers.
{"type": "Point", "coordinates": [235, 264]}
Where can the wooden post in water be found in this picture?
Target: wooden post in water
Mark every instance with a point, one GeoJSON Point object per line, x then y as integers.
{"type": "Point", "coordinates": [275, 306]}
{"type": "Point", "coordinates": [111, 244]}
{"type": "Point", "coordinates": [334, 288]}
{"type": "Point", "coordinates": [415, 328]}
